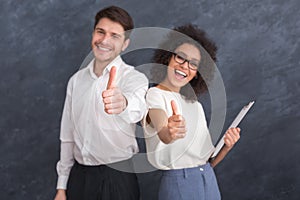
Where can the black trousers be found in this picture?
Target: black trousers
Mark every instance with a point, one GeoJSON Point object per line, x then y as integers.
{"type": "Point", "coordinates": [101, 183]}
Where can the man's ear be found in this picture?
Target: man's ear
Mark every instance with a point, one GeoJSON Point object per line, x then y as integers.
{"type": "Point", "coordinates": [125, 45]}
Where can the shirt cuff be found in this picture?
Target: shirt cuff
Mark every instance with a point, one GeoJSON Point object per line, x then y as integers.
{"type": "Point", "coordinates": [62, 182]}
{"type": "Point", "coordinates": [125, 115]}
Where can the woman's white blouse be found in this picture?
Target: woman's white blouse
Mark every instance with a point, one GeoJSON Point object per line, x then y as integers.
{"type": "Point", "coordinates": [191, 151]}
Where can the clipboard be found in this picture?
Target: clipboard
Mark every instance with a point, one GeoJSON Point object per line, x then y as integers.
{"type": "Point", "coordinates": [234, 124]}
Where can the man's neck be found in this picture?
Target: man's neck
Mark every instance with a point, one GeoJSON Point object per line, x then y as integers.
{"type": "Point", "coordinates": [99, 67]}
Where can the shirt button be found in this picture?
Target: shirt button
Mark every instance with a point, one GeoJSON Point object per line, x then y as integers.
{"type": "Point", "coordinates": [201, 169]}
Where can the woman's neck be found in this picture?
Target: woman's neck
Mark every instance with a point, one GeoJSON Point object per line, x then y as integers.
{"type": "Point", "coordinates": [165, 86]}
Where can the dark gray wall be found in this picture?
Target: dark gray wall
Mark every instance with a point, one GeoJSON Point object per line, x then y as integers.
{"type": "Point", "coordinates": [43, 42]}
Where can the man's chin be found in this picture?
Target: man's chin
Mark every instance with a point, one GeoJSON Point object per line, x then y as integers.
{"type": "Point", "coordinates": [102, 58]}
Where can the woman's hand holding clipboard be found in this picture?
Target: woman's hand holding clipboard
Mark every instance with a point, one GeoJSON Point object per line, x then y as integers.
{"type": "Point", "coordinates": [234, 124]}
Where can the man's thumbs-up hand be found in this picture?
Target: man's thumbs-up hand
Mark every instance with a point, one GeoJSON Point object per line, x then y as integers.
{"type": "Point", "coordinates": [112, 78]}
{"type": "Point", "coordinates": [176, 123]}
{"type": "Point", "coordinates": [113, 99]}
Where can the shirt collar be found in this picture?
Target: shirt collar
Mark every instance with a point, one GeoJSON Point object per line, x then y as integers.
{"type": "Point", "coordinates": [116, 62]}
{"type": "Point", "coordinates": [91, 69]}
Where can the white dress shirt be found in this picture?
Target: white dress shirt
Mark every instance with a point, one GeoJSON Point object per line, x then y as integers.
{"type": "Point", "coordinates": [191, 151]}
{"type": "Point", "coordinates": [90, 135]}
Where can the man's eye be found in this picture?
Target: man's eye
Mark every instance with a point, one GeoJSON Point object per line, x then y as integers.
{"type": "Point", "coordinates": [116, 36]}
{"type": "Point", "coordinates": [100, 32]}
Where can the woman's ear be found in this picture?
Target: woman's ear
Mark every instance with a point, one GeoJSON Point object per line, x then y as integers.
{"type": "Point", "coordinates": [196, 76]}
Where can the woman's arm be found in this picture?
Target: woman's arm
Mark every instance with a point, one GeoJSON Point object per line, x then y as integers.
{"type": "Point", "coordinates": [232, 135]}
{"type": "Point", "coordinates": [168, 129]}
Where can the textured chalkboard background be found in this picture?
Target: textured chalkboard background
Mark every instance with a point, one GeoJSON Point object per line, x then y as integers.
{"type": "Point", "coordinates": [43, 42]}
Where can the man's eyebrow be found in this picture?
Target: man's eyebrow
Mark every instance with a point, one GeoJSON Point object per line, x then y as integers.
{"type": "Point", "coordinates": [113, 33]}
{"type": "Point", "coordinates": [98, 28]}
{"type": "Point", "coordinates": [117, 34]}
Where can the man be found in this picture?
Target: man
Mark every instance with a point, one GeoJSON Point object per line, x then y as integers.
{"type": "Point", "coordinates": [103, 103]}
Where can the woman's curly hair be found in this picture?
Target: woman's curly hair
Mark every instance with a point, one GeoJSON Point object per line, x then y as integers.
{"type": "Point", "coordinates": [190, 34]}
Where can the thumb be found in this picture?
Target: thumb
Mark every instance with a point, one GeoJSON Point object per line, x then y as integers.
{"type": "Point", "coordinates": [174, 108]}
{"type": "Point", "coordinates": [112, 78]}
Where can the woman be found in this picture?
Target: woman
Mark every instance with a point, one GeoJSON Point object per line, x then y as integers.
{"type": "Point", "coordinates": [177, 138]}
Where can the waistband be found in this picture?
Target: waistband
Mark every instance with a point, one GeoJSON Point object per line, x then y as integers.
{"type": "Point", "coordinates": [187, 171]}
{"type": "Point", "coordinates": [124, 165]}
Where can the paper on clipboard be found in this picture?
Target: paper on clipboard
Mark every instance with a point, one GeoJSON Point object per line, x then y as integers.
{"type": "Point", "coordinates": [234, 124]}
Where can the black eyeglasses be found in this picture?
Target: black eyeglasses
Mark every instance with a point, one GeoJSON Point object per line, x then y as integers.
{"type": "Point", "coordinates": [193, 65]}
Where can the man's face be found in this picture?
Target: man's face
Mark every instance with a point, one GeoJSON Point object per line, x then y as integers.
{"type": "Point", "coordinates": [108, 40]}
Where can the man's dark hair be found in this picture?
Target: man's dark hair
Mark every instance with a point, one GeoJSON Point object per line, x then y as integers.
{"type": "Point", "coordinates": [118, 15]}
{"type": "Point", "coordinates": [190, 34]}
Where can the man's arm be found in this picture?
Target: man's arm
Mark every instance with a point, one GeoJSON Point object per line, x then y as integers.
{"type": "Point", "coordinates": [65, 164]}
{"type": "Point", "coordinates": [66, 147]}
{"type": "Point", "coordinates": [127, 100]}
{"type": "Point", "coordinates": [60, 195]}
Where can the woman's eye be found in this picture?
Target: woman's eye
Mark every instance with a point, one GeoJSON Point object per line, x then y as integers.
{"type": "Point", "coordinates": [180, 57]}
{"type": "Point", "coordinates": [193, 64]}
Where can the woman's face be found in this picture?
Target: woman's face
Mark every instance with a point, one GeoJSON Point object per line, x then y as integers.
{"type": "Point", "coordinates": [178, 75]}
